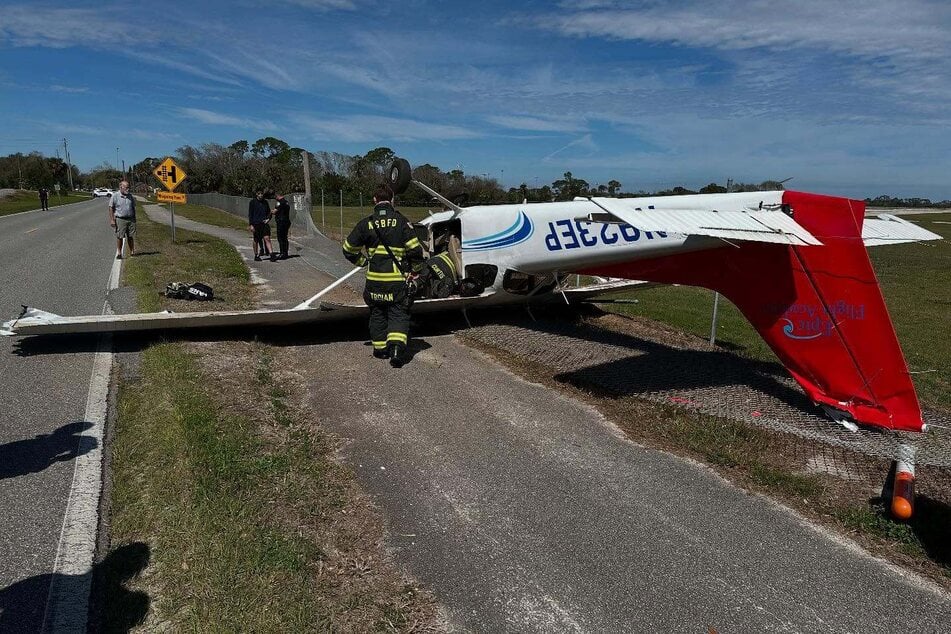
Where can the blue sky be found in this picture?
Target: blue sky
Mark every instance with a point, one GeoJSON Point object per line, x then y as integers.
{"type": "Point", "coordinates": [847, 97]}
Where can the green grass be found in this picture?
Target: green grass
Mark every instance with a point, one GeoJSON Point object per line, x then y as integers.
{"type": "Point", "coordinates": [916, 283]}
{"type": "Point", "coordinates": [209, 216]}
{"type": "Point", "coordinates": [915, 280]}
{"type": "Point", "coordinates": [247, 521]}
{"type": "Point", "coordinates": [23, 200]}
{"type": "Point", "coordinates": [195, 257]}
{"type": "Point", "coordinates": [873, 521]}
{"type": "Point", "coordinates": [198, 484]}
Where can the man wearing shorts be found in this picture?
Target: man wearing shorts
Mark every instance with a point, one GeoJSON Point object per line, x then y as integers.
{"type": "Point", "coordinates": [122, 218]}
{"type": "Point", "coordinates": [259, 212]}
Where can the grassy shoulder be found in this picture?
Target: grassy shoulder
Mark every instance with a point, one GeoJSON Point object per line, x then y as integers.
{"type": "Point", "coordinates": [915, 280]}
{"type": "Point", "coordinates": [248, 521]}
{"type": "Point", "coordinates": [194, 257]}
{"type": "Point", "coordinates": [23, 200]}
{"type": "Point", "coordinates": [209, 216]}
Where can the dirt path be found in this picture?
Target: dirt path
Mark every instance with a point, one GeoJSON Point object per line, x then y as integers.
{"type": "Point", "coordinates": [314, 263]}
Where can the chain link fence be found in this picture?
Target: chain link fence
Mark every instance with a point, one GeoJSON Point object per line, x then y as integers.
{"type": "Point", "coordinates": [301, 221]}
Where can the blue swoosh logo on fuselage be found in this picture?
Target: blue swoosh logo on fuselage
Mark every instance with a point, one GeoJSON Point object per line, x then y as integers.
{"type": "Point", "coordinates": [520, 231]}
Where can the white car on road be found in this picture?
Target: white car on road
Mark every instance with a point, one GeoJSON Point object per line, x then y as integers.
{"type": "Point", "coordinates": [101, 191]}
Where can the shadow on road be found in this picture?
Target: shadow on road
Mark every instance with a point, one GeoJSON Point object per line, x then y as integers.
{"type": "Point", "coordinates": [23, 604]}
{"type": "Point", "coordinates": [33, 455]}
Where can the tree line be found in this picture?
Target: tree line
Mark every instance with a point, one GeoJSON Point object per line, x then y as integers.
{"type": "Point", "coordinates": [272, 165]}
{"type": "Point", "coordinates": [33, 171]}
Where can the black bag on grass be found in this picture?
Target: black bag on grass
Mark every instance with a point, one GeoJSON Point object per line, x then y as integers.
{"type": "Point", "coordinates": [200, 291]}
{"type": "Point", "coordinates": [180, 290]}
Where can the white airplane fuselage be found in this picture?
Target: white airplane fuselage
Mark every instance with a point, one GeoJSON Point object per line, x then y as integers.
{"type": "Point", "coordinates": [542, 238]}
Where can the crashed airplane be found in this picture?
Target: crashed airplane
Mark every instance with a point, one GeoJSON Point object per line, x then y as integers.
{"type": "Point", "coordinates": [794, 263]}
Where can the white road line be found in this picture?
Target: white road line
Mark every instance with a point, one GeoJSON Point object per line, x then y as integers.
{"type": "Point", "coordinates": [67, 604]}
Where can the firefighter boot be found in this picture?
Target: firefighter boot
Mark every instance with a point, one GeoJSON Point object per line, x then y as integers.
{"type": "Point", "coordinates": [397, 355]}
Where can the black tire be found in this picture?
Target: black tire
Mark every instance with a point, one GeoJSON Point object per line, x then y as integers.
{"type": "Point", "coordinates": [399, 175]}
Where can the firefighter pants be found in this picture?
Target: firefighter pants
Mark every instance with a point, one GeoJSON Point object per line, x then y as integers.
{"type": "Point", "coordinates": [389, 324]}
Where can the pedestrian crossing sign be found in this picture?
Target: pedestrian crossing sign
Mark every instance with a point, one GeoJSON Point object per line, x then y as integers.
{"type": "Point", "coordinates": [170, 174]}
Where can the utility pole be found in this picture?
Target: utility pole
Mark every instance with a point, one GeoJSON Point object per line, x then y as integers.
{"type": "Point", "coordinates": [69, 166]}
{"type": "Point", "coordinates": [308, 206]}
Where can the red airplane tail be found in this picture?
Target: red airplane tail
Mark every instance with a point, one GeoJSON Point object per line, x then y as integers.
{"type": "Point", "coordinates": [818, 307]}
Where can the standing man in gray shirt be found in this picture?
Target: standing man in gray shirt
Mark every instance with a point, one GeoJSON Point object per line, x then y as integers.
{"type": "Point", "coordinates": [122, 218]}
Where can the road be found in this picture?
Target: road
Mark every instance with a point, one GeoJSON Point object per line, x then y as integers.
{"type": "Point", "coordinates": [58, 260]}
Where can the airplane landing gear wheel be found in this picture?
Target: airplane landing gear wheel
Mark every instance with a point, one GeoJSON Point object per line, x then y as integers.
{"type": "Point", "coordinates": [399, 175]}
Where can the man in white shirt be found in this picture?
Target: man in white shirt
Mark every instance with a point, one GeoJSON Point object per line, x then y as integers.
{"type": "Point", "coordinates": [122, 218]}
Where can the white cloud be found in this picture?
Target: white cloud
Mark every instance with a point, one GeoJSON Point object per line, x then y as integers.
{"type": "Point", "coordinates": [363, 128]}
{"type": "Point", "coordinates": [912, 28]}
{"type": "Point", "coordinates": [147, 135]}
{"type": "Point", "coordinates": [902, 39]}
{"type": "Point", "coordinates": [216, 118]}
{"type": "Point", "coordinates": [69, 89]}
{"type": "Point", "coordinates": [60, 28]}
{"type": "Point", "coordinates": [585, 143]}
{"type": "Point", "coordinates": [322, 5]}
{"type": "Point", "coordinates": [538, 124]}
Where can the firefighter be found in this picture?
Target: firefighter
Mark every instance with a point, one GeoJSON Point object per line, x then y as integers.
{"type": "Point", "coordinates": [439, 276]}
{"type": "Point", "coordinates": [386, 241]}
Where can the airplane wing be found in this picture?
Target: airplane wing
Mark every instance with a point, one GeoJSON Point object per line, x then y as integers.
{"type": "Point", "coordinates": [751, 216]}
{"type": "Point", "coordinates": [889, 229]}
{"type": "Point", "coordinates": [581, 293]}
{"type": "Point", "coordinates": [34, 321]}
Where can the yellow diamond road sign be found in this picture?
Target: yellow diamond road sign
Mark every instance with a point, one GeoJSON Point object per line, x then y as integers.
{"type": "Point", "coordinates": [169, 173]}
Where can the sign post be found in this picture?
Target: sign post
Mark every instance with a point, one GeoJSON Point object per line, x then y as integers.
{"type": "Point", "coordinates": [171, 176]}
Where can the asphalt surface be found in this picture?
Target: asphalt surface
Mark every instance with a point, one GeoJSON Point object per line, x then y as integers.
{"type": "Point", "coordinates": [58, 260]}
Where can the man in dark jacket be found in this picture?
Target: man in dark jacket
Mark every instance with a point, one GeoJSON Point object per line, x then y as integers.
{"type": "Point", "coordinates": [386, 241]}
{"type": "Point", "coordinates": [282, 214]}
{"type": "Point", "coordinates": [258, 214]}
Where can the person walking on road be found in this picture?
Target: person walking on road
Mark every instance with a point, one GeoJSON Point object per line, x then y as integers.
{"type": "Point", "coordinates": [44, 199]}
{"type": "Point", "coordinates": [258, 214]}
{"type": "Point", "coordinates": [282, 214]}
{"type": "Point", "coordinates": [393, 253]}
{"type": "Point", "coordinates": [122, 218]}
